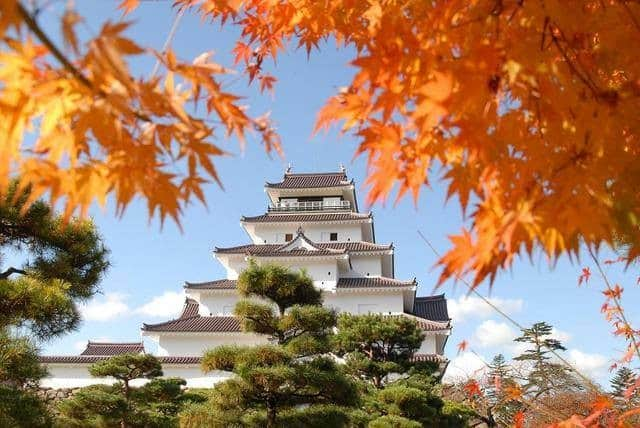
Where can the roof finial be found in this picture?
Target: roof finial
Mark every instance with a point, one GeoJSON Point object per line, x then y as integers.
{"type": "Point", "coordinates": [342, 168]}
{"type": "Point", "coordinates": [289, 168]}
{"type": "Point", "coordinates": [300, 231]}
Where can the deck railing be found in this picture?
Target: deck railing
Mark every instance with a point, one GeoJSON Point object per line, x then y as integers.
{"type": "Point", "coordinates": [310, 206]}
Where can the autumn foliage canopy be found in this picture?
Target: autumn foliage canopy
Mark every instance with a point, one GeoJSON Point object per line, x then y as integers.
{"type": "Point", "coordinates": [526, 109]}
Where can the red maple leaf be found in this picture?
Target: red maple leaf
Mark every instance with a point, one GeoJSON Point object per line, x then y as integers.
{"type": "Point", "coordinates": [586, 273]}
{"type": "Point", "coordinates": [462, 346]}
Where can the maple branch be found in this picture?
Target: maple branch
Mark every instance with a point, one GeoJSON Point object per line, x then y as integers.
{"type": "Point", "coordinates": [616, 300]}
{"type": "Point", "coordinates": [509, 318]}
{"type": "Point", "coordinates": [35, 29]}
{"type": "Point", "coordinates": [31, 23]}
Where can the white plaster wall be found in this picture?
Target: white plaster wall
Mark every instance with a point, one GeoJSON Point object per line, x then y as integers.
{"type": "Point", "coordinates": [365, 266]}
{"type": "Point", "coordinates": [70, 376]}
{"type": "Point", "coordinates": [428, 345]}
{"type": "Point", "coordinates": [194, 375]}
{"type": "Point", "coordinates": [323, 272]}
{"type": "Point", "coordinates": [196, 345]}
{"type": "Point", "coordinates": [274, 234]}
{"type": "Point", "coordinates": [356, 303]}
{"type": "Point", "coordinates": [217, 304]}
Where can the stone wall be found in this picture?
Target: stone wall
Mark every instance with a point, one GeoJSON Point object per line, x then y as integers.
{"type": "Point", "coordinates": [52, 396]}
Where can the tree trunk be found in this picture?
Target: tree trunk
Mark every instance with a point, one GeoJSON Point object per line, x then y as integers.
{"type": "Point", "coordinates": [271, 416]}
{"type": "Point", "coordinates": [123, 422]}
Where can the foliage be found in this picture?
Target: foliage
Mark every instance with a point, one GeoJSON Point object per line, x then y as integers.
{"type": "Point", "coordinates": [20, 371]}
{"type": "Point", "coordinates": [624, 379]}
{"type": "Point", "coordinates": [274, 380]}
{"type": "Point", "coordinates": [64, 262]}
{"type": "Point", "coordinates": [516, 102]}
{"type": "Point", "coordinates": [375, 345]}
{"type": "Point", "coordinates": [155, 404]}
{"type": "Point", "coordinates": [545, 376]}
{"type": "Point", "coordinates": [300, 324]}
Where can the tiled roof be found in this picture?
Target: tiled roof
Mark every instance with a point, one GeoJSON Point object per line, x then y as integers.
{"type": "Point", "coordinates": [309, 180]}
{"type": "Point", "coordinates": [197, 324]}
{"type": "Point", "coordinates": [220, 284]}
{"type": "Point", "coordinates": [90, 359]}
{"type": "Point", "coordinates": [180, 360]}
{"type": "Point", "coordinates": [431, 307]}
{"type": "Point", "coordinates": [426, 325]}
{"type": "Point", "coordinates": [108, 349]}
{"type": "Point", "coordinates": [434, 358]}
{"type": "Point", "coordinates": [373, 282]}
{"type": "Point", "coordinates": [303, 218]}
{"type": "Point", "coordinates": [276, 249]}
{"type": "Point", "coordinates": [190, 321]}
{"type": "Point", "coordinates": [190, 308]}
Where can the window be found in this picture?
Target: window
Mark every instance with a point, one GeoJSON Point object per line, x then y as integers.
{"type": "Point", "coordinates": [333, 236]}
{"type": "Point", "coordinates": [288, 237]}
{"type": "Point", "coordinates": [227, 310]}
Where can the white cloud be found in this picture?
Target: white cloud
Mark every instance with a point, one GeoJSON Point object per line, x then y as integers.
{"type": "Point", "coordinates": [105, 308]}
{"type": "Point", "coordinates": [465, 366]}
{"type": "Point", "coordinates": [492, 333]}
{"type": "Point", "coordinates": [560, 335]}
{"type": "Point", "coordinates": [464, 308]}
{"type": "Point", "coordinates": [593, 365]}
{"type": "Point", "coordinates": [167, 304]}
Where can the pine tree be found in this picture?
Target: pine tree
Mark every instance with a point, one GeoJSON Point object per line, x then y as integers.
{"type": "Point", "coordinates": [156, 404]}
{"type": "Point", "coordinates": [20, 371]}
{"type": "Point", "coordinates": [621, 382]}
{"type": "Point", "coordinates": [500, 380]}
{"type": "Point", "coordinates": [375, 345]}
{"type": "Point", "coordinates": [272, 381]}
{"type": "Point", "coordinates": [545, 375]}
{"type": "Point", "coordinates": [62, 263]}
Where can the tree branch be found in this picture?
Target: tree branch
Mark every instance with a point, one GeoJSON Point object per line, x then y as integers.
{"type": "Point", "coordinates": [7, 273]}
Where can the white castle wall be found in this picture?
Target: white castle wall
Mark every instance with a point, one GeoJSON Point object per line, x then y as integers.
{"type": "Point", "coordinates": [365, 266]}
{"type": "Point", "coordinates": [323, 272]}
{"type": "Point", "coordinates": [275, 233]}
{"type": "Point", "coordinates": [196, 345]}
{"type": "Point", "coordinates": [68, 376]}
{"type": "Point", "coordinates": [361, 303]}
{"type": "Point", "coordinates": [215, 304]}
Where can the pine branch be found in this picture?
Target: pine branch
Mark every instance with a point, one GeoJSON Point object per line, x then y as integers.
{"type": "Point", "coordinates": [7, 273]}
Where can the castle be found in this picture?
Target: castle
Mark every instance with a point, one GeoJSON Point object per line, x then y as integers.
{"type": "Point", "coordinates": [313, 223]}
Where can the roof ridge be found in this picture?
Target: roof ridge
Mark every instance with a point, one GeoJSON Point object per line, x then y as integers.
{"type": "Point", "coordinates": [113, 343]}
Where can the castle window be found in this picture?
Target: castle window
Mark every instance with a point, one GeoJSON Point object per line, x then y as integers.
{"type": "Point", "coordinates": [288, 237]}
{"type": "Point", "coordinates": [333, 236]}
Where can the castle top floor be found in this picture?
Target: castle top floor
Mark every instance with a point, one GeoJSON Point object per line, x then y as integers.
{"type": "Point", "coordinates": [312, 192]}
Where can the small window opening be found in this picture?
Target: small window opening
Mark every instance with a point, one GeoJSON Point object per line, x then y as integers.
{"type": "Point", "coordinates": [288, 237]}
{"type": "Point", "coordinates": [329, 273]}
{"type": "Point", "coordinates": [333, 236]}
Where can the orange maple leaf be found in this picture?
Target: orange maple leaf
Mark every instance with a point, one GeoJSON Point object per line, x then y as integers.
{"type": "Point", "coordinates": [128, 6]}
{"type": "Point", "coordinates": [472, 388]}
{"type": "Point", "coordinates": [462, 346]}
{"type": "Point", "coordinates": [518, 419]}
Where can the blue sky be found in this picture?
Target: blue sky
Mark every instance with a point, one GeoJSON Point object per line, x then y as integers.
{"type": "Point", "coordinates": [150, 265]}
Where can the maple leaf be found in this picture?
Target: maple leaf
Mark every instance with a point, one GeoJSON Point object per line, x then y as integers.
{"type": "Point", "coordinates": [472, 388]}
{"type": "Point", "coordinates": [128, 6]}
{"type": "Point", "coordinates": [462, 346]}
{"type": "Point", "coordinates": [584, 276]}
{"type": "Point", "coordinates": [519, 419]}
{"type": "Point", "coordinates": [614, 292]}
